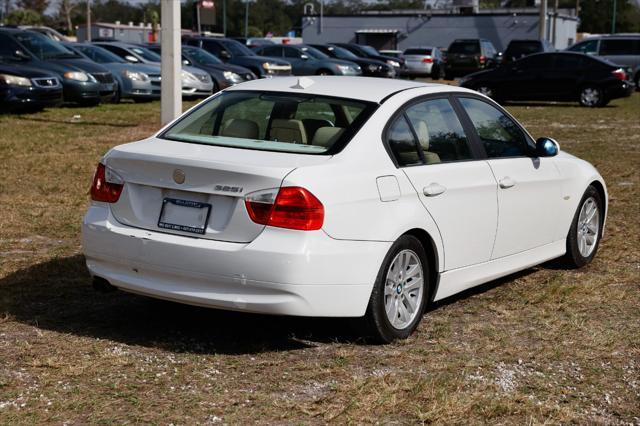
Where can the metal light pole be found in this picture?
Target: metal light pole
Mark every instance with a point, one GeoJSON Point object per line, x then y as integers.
{"type": "Point", "coordinates": [246, 18]}
{"type": "Point", "coordinates": [88, 21]}
{"type": "Point", "coordinates": [543, 20]}
{"type": "Point", "coordinates": [613, 21]}
{"type": "Point", "coordinates": [171, 66]}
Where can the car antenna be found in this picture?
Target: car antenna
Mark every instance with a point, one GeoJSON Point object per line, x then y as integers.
{"type": "Point", "coordinates": [303, 83]}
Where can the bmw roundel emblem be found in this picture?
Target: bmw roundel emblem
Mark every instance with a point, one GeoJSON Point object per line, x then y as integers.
{"type": "Point", "coordinates": [178, 176]}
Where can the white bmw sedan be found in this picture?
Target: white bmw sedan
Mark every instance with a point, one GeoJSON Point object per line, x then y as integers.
{"type": "Point", "coordinates": [337, 197]}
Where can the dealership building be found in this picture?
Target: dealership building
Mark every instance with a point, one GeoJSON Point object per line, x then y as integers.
{"type": "Point", "coordinates": [439, 27]}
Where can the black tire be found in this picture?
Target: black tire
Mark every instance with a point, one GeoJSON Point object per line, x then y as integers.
{"type": "Point", "coordinates": [574, 258]}
{"type": "Point", "coordinates": [324, 72]}
{"type": "Point", "coordinates": [592, 96]}
{"type": "Point", "coordinates": [436, 73]}
{"type": "Point", "coordinates": [377, 325]}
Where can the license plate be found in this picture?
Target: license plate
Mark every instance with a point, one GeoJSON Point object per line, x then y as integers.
{"type": "Point", "coordinates": [184, 215]}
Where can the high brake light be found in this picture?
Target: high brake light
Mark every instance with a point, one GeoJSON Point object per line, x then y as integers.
{"type": "Point", "coordinates": [427, 60]}
{"type": "Point", "coordinates": [106, 186]}
{"type": "Point", "coordinates": [289, 207]}
{"type": "Point", "coordinates": [620, 74]}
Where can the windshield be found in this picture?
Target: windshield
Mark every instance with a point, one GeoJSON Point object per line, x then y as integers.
{"type": "Point", "coordinates": [201, 56]}
{"type": "Point", "coordinates": [237, 49]}
{"type": "Point", "coordinates": [43, 47]}
{"type": "Point", "coordinates": [341, 53]}
{"type": "Point", "coordinates": [146, 54]}
{"type": "Point", "coordinates": [417, 52]}
{"type": "Point", "coordinates": [314, 53]}
{"type": "Point", "coordinates": [285, 122]}
{"type": "Point", "coordinates": [465, 47]}
{"type": "Point", "coordinates": [99, 55]}
{"type": "Point", "coordinates": [370, 50]}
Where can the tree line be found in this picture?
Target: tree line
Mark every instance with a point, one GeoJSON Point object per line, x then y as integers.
{"type": "Point", "coordinates": [277, 16]}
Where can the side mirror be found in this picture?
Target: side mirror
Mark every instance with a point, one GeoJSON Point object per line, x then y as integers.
{"type": "Point", "coordinates": [132, 59]}
{"type": "Point", "coordinates": [303, 56]}
{"type": "Point", "coordinates": [547, 147]}
{"type": "Point", "coordinates": [225, 55]}
{"type": "Point", "coordinates": [186, 62]}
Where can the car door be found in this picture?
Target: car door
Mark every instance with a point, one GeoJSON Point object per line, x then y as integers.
{"type": "Point", "coordinates": [525, 79]}
{"type": "Point", "coordinates": [456, 187]}
{"type": "Point", "coordinates": [529, 190]}
{"type": "Point", "coordinates": [299, 65]}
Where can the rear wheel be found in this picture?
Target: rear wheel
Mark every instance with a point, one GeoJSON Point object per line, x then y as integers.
{"type": "Point", "coordinates": [399, 293]}
{"type": "Point", "coordinates": [586, 230]}
{"type": "Point", "coordinates": [592, 96]}
{"type": "Point", "coordinates": [436, 72]}
{"type": "Point", "coordinates": [324, 72]}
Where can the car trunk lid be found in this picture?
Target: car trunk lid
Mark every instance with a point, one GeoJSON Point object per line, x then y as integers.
{"type": "Point", "coordinates": [178, 188]}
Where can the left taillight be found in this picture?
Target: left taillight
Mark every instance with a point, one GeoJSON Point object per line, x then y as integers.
{"type": "Point", "coordinates": [106, 186]}
{"type": "Point", "coordinates": [427, 60]}
{"type": "Point", "coordinates": [290, 207]}
{"type": "Point", "coordinates": [620, 74]}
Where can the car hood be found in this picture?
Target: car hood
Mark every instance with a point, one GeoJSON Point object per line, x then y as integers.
{"type": "Point", "coordinates": [261, 59]}
{"type": "Point", "coordinates": [225, 67]}
{"type": "Point", "coordinates": [78, 64]}
{"type": "Point", "coordinates": [24, 71]}
{"type": "Point", "coordinates": [364, 62]}
{"type": "Point", "coordinates": [340, 62]}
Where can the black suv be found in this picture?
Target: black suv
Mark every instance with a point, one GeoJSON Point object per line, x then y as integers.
{"type": "Point", "coordinates": [236, 53]}
{"type": "Point", "coordinates": [465, 56]}
{"type": "Point", "coordinates": [83, 81]}
{"type": "Point", "coordinates": [520, 48]}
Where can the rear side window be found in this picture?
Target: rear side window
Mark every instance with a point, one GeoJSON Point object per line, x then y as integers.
{"type": "Point", "coordinates": [285, 122]}
{"type": "Point", "coordinates": [536, 62]}
{"type": "Point", "coordinates": [589, 46]}
{"type": "Point", "coordinates": [8, 47]}
{"type": "Point", "coordinates": [569, 62]}
{"type": "Point", "coordinates": [498, 133]}
{"type": "Point", "coordinates": [428, 132]}
{"type": "Point", "coordinates": [518, 49]}
{"type": "Point", "coordinates": [417, 52]}
{"type": "Point", "coordinates": [620, 47]}
{"type": "Point", "coordinates": [465, 47]}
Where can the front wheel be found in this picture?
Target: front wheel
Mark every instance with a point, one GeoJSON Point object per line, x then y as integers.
{"type": "Point", "coordinates": [400, 292]}
{"type": "Point", "coordinates": [586, 230]}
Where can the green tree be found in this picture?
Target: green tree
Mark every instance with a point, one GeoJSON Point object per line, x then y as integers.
{"type": "Point", "coordinates": [23, 17]}
{"type": "Point", "coordinates": [596, 16]}
{"type": "Point", "coordinates": [37, 5]}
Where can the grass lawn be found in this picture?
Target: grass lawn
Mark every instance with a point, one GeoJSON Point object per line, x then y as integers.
{"type": "Point", "coordinates": [543, 346]}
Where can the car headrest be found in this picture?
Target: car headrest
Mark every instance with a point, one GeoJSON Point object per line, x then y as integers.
{"type": "Point", "coordinates": [288, 131]}
{"type": "Point", "coordinates": [422, 131]}
{"type": "Point", "coordinates": [327, 136]}
{"type": "Point", "coordinates": [241, 128]}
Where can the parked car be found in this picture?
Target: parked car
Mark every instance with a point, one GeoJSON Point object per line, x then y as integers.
{"type": "Point", "coordinates": [139, 82]}
{"type": "Point", "coordinates": [621, 49]}
{"type": "Point", "coordinates": [233, 52]}
{"type": "Point", "coordinates": [83, 81]}
{"type": "Point", "coordinates": [195, 82]}
{"type": "Point", "coordinates": [306, 60]}
{"type": "Point", "coordinates": [369, 52]}
{"type": "Point", "coordinates": [370, 67]}
{"type": "Point", "coordinates": [307, 197]}
{"type": "Point", "coordinates": [47, 31]}
{"type": "Point", "coordinates": [466, 56]}
{"type": "Point", "coordinates": [423, 62]}
{"type": "Point", "coordinates": [517, 49]}
{"type": "Point", "coordinates": [223, 75]}
{"type": "Point", "coordinates": [27, 89]}
{"type": "Point", "coordinates": [391, 52]}
{"type": "Point", "coordinates": [258, 41]}
{"type": "Point", "coordinates": [560, 76]}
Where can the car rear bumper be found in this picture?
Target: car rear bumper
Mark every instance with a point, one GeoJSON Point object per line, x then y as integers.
{"type": "Point", "coordinates": [622, 89]}
{"type": "Point", "coordinates": [281, 272]}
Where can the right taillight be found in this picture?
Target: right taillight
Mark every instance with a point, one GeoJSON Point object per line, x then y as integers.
{"type": "Point", "coordinates": [106, 186]}
{"type": "Point", "coordinates": [619, 74]}
{"type": "Point", "coordinates": [289, 207]}
{"type": "Point", "coordinates": [427, 60]}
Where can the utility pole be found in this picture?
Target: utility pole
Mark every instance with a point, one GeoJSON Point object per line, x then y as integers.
{"type": "Point", "coordinates": [555, 23]}
{"type": "Point", "coordinates": [171, 65]}
{"type": "Point", "coordinates": [543, 20]}
{"type": "Point", "coordinates": [613, 20]}
{"type": "Point", "coordinates": [88, 21]}
{"type": "Point", "coordinates": [246, 18]}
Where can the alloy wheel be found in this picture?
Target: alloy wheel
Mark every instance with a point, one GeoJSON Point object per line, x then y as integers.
{"type": "Point", "coordinates": [588, 227]}
{"type": "Point", "coordinates": [590, 96]}
{"type": "Point", "coordinates": [404, 289]}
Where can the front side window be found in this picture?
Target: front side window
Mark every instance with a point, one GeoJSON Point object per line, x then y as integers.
{"type": "Point", "coordinates": [43, 47]}
{"type": "Point", "coordinates": [146, 54]}
{"type": "Point", "coordinates": [498, 133]}
{"type": "Point", "coordinates": [273, 51]}
{"type": "Point", "coordinates": [589, 46]}
{"type": "Point", "coordinates": [465, 47]}
{"type": "Point", "coordinates": [284, 122]}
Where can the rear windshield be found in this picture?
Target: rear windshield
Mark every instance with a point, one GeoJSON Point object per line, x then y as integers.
{"type": "Point", "coordinates": [516, 49]}
{"type": "Point", "coordinates": [417, 52]}
{"type": "Point", "coordinates": [273, 121]}
{"type": "Point", "coordinates": [467, 47]}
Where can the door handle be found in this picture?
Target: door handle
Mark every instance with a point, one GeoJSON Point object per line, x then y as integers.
{"type": "Point", "coordinates": [433, 189]}
{"type": "Point", "coordinates": [506, 182]}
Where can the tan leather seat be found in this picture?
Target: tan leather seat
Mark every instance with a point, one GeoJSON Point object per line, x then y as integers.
{"type": "Point", "coordinates": [327, 136]}
{"type": "Point", "coordinates": [288, 131]}
{"type": "Point", "coordinates": [240, 128]}
{"type": "Point", "coordinates": [422, 132]}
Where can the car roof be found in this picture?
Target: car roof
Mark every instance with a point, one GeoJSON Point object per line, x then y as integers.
{"type": "Point", "coordinates": [361, 88]}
